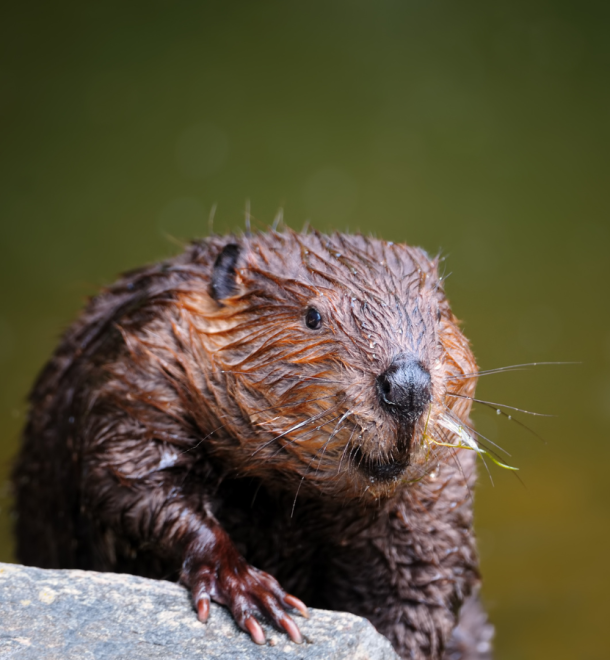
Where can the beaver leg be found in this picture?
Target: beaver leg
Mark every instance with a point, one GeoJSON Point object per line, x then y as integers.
{"type": "Point", "coordinates": [135, 504]}
{"type": "Point", "coordinates": [213, 569]}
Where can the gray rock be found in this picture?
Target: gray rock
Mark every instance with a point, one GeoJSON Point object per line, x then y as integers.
{"type": "Point", "coordinates": [69, 614]}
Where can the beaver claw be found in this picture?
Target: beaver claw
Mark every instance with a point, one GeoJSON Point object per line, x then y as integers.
{"type": "Point", "coordinates": [223, 576]}
{"type": "Point", "coordinates": [248, 593]}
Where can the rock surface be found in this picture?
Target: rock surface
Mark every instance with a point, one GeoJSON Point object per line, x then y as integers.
{"type": "Point", "coordinates": [70, 614]}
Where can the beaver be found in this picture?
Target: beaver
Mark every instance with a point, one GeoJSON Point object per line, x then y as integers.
{"type": "Point", "coordinates": [271, 418]}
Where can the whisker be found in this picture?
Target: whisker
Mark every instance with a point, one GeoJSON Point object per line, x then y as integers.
{"type": "Point", "coordinates": [222, 426]}
{"type": "Point", "coordinates": [313, 418]}
{"type": "Point", "coordinates": [519, 479]}
{"type": "Point", "coordinates": [302, 437]}
{"type": "Point", "coordinates": [292, 428]}
{"type": "Point", "coordinates": [480, 444]}
{"type": "Point", "coordinates": [361, 456]}
{"type": "Point", "coordinates": [492, 404]}
{"type": "Point", "coordinates": [353, 450]}
{"type": "Point", "coordinates": [364, 493]}
{"type": "Point", "coordinates": [302, 378]}
{"type": "Point", "coordinates": [330, 437]}
{"type": "Point", "coordinates": [467, 440]}
{"type": "Point", "coordinates": [461, 469]}
{"type": "Point", "coordinates": [209, 435]}
{"type": "Point", "coordinates": [323, 448]}
{"type": "Point", "coordinates": [294, 503]}
{"type": "Point", "coordinates": [324, 423]}
{"type": "Point", "coordinates": [473, 430]}
{"type": "Point", "coordinates": [522, 425]}
{"type": "Point", "coordinates": [512, 367]}
{"type": "Point", "coordinates": [309, 466]}
{"type": "Point", "coordinates": [487, 470]}
{"type": "Point", "coordinates": [489, 451]}
{"type": "Point", "coordinates": [287, 405]}
{"type": "Point", "coordinates": [260, 483]}
{"type": "Point", "coordinates": [347, 446]}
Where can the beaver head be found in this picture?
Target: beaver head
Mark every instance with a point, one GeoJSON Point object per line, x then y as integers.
{"type": "Point", "coordinates": [325, 360]}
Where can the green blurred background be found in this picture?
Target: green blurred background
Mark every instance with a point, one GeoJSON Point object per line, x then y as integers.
{"type": "Point", "coordinates": [479, 129]}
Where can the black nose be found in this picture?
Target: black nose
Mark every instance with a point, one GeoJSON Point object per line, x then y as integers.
{"type": "Point", "coordinates": [405, 389]}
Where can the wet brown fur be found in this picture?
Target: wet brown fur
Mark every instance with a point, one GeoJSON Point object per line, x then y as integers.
{"type": "Point", "coordinates": [164, 409]}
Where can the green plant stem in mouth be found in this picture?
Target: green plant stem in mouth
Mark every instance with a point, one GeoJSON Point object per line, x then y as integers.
{"type": "Point", "coordinates": [465, 440]}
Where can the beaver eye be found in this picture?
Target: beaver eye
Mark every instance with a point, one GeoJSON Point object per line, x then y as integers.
{"type": "Point", "coordinates": [313, 318]}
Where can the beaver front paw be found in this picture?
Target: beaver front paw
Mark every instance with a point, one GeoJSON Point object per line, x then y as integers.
{"type": "Point", "coordinates": [214, 570]}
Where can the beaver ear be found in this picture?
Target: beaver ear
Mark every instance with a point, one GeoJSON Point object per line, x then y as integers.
{"type": "Point", "coordinates": [223, 276]}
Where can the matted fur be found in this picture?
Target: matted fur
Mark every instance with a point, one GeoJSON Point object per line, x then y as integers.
{"type": "Point", "coordinates": [164, 410]}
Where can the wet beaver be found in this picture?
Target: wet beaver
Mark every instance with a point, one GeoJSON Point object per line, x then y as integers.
{"type": "Point", "coordinates": [276, 400]}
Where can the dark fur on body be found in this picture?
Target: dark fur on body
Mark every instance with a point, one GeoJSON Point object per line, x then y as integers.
{"type": "Point", "coordinates": [190, 425]}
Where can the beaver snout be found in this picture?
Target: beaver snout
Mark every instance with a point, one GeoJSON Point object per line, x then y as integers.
{"type": "Point", "coordinates": [405, 389]}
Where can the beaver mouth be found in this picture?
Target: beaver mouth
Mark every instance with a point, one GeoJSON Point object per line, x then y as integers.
{"type": "Point", "coordinates": [378, 469]}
